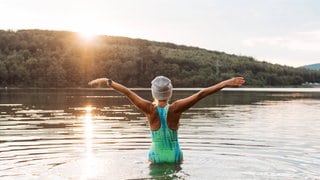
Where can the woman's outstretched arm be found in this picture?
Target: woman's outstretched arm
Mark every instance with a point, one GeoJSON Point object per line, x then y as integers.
{"type": "Point", "coordinates": [142, 104]}
{"type": "Point", "coordinates": [184, 104]}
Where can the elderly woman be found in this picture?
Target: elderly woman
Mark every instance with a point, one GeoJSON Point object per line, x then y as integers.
{"type": "Point", "coordinates": [163, 117]}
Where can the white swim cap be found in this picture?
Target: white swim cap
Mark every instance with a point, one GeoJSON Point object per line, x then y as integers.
{"type": "Point", "coordinates": [161, 88]}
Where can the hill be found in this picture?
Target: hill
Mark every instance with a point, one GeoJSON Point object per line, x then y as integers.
{"type": "Point", "coordinates": [313, 66]}
{"type": "Point", "coordinates": [42, 58]}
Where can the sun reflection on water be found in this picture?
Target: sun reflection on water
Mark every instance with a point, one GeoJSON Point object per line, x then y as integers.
{"type": "Point", "coordinates": [88, 129]}
{"type": "Point", "coordinates": [88, 166]}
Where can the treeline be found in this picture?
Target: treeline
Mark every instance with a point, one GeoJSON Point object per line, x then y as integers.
{"type": "Point", "coordinates": [41, 58]}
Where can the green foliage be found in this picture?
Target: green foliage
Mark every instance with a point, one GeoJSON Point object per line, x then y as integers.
{"type": "Point", "coordinates": [38, 58]}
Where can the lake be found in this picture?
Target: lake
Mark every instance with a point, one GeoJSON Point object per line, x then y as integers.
{"type": "Point", "coordinates": [97, 134]}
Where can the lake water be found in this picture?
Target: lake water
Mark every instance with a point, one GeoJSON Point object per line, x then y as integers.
{"type": "Point", "coordinates": [98, 134]}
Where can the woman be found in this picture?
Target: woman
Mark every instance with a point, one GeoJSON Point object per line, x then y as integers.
{"type": "Point", "coordinates": [163, 117]}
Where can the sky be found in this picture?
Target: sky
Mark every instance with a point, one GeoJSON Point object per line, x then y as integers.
{"type": "Point", "coordinates": [285, 32]}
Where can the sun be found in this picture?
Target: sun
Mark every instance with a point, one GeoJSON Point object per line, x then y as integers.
{"type": "Point", "coordinates": [87, 34]}
{"type": "Point", "coordinates": [88, 25]}
{"type": "Point", "coordinates": [86, 21]}
{"type": "Point", "coordinates": [88, 29]}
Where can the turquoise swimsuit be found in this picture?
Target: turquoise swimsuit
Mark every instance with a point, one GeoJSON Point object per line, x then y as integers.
{"type": "Point", "coordinates": [165, 146]}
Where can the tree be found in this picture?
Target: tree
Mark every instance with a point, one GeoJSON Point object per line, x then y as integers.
{"type": "Point", "coordinates": [39, 58]}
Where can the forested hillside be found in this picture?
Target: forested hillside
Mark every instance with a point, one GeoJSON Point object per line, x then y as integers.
{"type": "Point", "coordinates": [41, 58]}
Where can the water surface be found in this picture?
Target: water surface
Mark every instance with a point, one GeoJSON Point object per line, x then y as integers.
{"type": "Point", "coordinates": [98, 134]}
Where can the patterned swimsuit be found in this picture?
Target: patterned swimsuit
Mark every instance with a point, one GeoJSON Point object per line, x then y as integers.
{"type": "Point", "coordinates": [165, 146]}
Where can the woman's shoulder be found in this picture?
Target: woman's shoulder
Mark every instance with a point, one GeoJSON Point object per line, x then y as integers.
{"type": "Point", "coordinates": [173, 107]}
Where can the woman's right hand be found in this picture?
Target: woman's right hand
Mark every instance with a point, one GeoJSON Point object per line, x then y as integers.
{"type": "Point", "coordinates": [236, 81]}
{"type": "Point", "coordinates": [98, 81]}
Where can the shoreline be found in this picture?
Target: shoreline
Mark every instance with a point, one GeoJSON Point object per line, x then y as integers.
{"type": "Point", "coordinates": [246, 89]}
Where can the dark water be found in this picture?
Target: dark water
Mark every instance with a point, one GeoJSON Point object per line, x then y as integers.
{"type": "Point", "coordinates": [98, 134]}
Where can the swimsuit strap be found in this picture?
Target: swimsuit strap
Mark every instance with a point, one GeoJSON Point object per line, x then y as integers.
{"type": "Point", "coordinates": [163, 113]}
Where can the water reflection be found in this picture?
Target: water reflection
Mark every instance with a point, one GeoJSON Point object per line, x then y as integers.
{"type": "Point", "coordinates": [88, 170]}
{"type": "Point", "coordinates": [229, 135]}
{"type": "Point", "coordinates": [166, 171]}
{"type": "Point", "coordinates": [88, 129]}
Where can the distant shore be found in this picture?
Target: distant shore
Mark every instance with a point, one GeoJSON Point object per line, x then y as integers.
{"type": "Point", "coordinates": [247, 89]}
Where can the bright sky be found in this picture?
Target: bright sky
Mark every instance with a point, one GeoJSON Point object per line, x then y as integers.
{"type": "Point", "coordinates": [285, 32]}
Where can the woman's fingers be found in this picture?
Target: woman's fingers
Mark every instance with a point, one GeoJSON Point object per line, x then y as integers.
{"type": "Point", "coordinates": [92, 82]}
{"type": "Point", "coordinates": [97, 81]}
{"type": "Point", "coordinates": [239, 81]}
{"type": "Point", "coordinates": [236, 81]}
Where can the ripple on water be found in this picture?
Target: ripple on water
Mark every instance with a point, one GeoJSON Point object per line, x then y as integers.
{"type": "Point", "coordinates": [264, 140]}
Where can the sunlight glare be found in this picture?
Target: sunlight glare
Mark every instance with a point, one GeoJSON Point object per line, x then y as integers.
{"type": "Point", "coordinates": [87, 28]}
{"type": "Point", "coordinates": [88, 109]}
{"type": "Point", "coordinates": [88, 128]}
{"type": "Point", "coordinates": [87, 35]}
{"type": "Point", "coordinates": [88, 170]}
